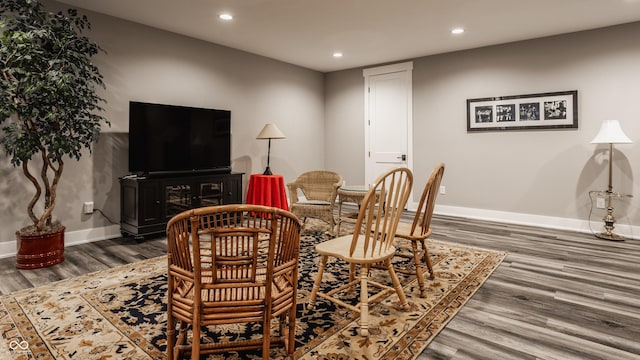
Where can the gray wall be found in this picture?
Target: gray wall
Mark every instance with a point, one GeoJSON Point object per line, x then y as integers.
{"type": "Point", "coordinates": [541, 176]}
{"type": "Point", "coordinates": [146, 64]}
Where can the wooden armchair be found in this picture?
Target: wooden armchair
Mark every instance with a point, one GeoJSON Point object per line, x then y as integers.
{"type": "Point", "coordinates": [420, 229]}
{"type": "Point", "coordinates": [231, 264]}
{"type": "Point", "coordinates": [319, 188]}
{"type": "Point", "coordinates": [370, 244]}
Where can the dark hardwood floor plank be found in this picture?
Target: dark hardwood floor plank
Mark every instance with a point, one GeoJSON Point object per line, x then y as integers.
{"type": "Point", "coordinates": [499, 332]}
{"type": "Point", "coordinates": [13, 281]}
{"type": "Point", "coordinates": [457, 345]}
{"type": "Point", "coordinates": [570, 293]}
{"type": "Point", "coordinates": [82, 259]}
{"type": "Point", "coordinates": [595, 335]}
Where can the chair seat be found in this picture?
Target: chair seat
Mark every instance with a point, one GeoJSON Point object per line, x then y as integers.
{"type": "Point", "coordinates": [404, 231]}
{"type": "Point", "coordinates": [313, 202]}
{"type": "Point", "coordinates": [341, 246]}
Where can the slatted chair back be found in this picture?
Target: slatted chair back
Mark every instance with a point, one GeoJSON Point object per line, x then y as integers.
{"type": "Point", "coordinates": [424, 213]}
{"type": "Point", "coordinates": [232, 264]}
{"type": "Point", "coordinates": [380, 212]}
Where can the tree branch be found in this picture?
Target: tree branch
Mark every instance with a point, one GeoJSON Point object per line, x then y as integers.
{"type": "Point", "coordinates": [36, 196]}
{"type": "Point", "coordinates": [46, 217]}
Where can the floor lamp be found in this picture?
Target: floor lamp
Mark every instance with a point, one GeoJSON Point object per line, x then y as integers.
{"type": "Point", "coordinates": [610, 133]}
{"type": "Point", "coordinates": [269, 131]}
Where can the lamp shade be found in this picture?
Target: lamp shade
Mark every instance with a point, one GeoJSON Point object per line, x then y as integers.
{"type": "Point", "coordinates": [270, 131]}
{"type": "Point", "coordinates": [611, 133]}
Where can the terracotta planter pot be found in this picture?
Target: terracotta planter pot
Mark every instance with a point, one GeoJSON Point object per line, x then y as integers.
{"type": "Point", "coordinates": [38, 251]}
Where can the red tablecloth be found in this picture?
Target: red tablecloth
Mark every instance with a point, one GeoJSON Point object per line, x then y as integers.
{"type": "Point", "coordinates": [267, 190]}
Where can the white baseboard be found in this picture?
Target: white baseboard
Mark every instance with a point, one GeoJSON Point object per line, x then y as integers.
{"type": "Point", "coordinates": [8, 249]}
{"type": "Point", "coordinates": [583, 226]}
{"type": "Point", "coordinates": [90, 235]}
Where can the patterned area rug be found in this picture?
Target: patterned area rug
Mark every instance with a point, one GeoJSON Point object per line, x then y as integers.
{"type": "Point", "coordinates": [120, 313]}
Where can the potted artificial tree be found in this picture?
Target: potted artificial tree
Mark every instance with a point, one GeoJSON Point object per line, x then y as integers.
{"type": "Point", "coordinates": [48, 105]}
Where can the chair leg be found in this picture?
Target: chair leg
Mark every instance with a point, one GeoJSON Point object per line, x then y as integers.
{"type": "Point", "coordinates": [316, 283]}
{"type": "Point", "coordinates": [291, 347]}
{"type": "Point", "coordinates": [266, 335]}
{"type": "Point", "coordinates": [171, 332]}
{"type": "Point", "coordinates": [195, 341]}
{"type": "Point", "coordinates": [364, 301]}
{"type": "Point", "coordinates": [418, 265]}
{"type": "Point", "coordinates": [181, 339]}
{"type": "Point", "coordinates": [396, 285]}
{"type": "Point", "coordinates": [332, 222]}
{"type": "Point", "coordinates": [352, 272]}
{"type": "Point", "coordinates": [427, 260]}
{"type": "Point", "coordinates": [329, 220]}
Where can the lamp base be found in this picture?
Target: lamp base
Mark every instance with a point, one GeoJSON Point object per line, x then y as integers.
{"type": "Point", "coordinates": [610, 236]}
{"type": "Point", "coordinates": [609, 225]}
{"type": "Point", "coordinates": [267, 171]}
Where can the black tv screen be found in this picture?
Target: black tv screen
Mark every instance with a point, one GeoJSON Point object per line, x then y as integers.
{"type": "Point", "coordinates": [166, 139]}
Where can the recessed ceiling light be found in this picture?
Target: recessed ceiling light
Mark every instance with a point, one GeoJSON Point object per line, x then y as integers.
{"type": "Point", "coordinates": [457, 31]}
{"type": "Point", "coordinates": [225, 16]}
{"type": "Point", "coordinates": [337, 54]}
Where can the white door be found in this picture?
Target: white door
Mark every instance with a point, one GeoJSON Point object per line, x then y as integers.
{"type": "Point", "coordinates": [388, 119]}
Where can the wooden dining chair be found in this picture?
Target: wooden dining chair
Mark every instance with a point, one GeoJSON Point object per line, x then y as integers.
{"type": "Point", "coordinates": [231, 264]}
{"type": "Point", "coordinates": [420, 229]}
{"type": "Point", "coordinates": [371, 243]}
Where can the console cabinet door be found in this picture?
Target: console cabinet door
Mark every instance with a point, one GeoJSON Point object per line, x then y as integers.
{"type": "Point", "coordinates": [150, 204]}
{"type": "Point", "coordinates": [140, 206]}
{"type": "Point", "coordinates": [178, 197]}
{"type": "Point", "coordinates": [232, 193]}
{"type": "Point", "coordinates": [210, 192]}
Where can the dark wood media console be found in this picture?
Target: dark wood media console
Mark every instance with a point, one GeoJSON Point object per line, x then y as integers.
{"type": "Point", "coordinates": [147, 203]}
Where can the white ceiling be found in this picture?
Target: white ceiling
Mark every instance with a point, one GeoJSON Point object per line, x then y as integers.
{"type": "Point", "coordinates": [367, 32]}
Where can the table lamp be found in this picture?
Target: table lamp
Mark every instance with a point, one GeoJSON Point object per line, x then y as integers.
{"type": "Point", "coordinates": [269, 131]}
{"type": "Point", "coordinates": [610, 133]}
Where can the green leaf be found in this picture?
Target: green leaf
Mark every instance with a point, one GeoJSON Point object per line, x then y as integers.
{"type": "Point", "coordinates": [48, 83]}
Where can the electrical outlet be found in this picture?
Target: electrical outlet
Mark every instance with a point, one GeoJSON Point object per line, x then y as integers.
{"type": "Point", "coordinates": [600, 203]}
{"type": "Point", "coordinates": [87, 207]}
{"type": "Point", "coordinates": [443, 190]}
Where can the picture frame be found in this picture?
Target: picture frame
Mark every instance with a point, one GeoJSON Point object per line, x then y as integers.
{"type": "Point", "coordinates": [552, 110]}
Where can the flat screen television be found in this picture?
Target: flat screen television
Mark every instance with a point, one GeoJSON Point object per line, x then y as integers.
{"type": "Point", "coordinates": [170, 139]}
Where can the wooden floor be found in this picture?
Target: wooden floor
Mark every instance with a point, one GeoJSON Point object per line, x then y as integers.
{"type": "Point", "coordinates": [557, 295]}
